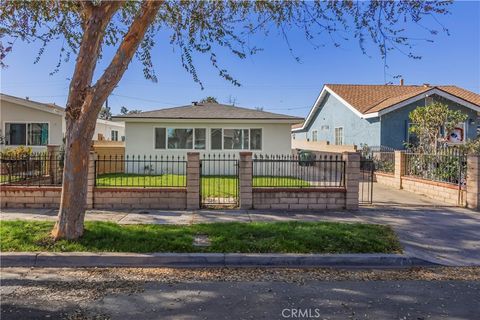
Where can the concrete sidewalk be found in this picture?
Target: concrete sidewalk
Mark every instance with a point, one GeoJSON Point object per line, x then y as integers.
{"type": "Point", "coordinates": [443, 235]}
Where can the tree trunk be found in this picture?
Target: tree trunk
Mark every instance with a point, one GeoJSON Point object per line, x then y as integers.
{"type": "Point", "coordinates": [70, 223]}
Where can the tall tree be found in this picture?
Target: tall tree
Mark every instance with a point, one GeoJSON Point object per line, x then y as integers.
{"type": "Point", "coordinates": [209, 99]}
{"type": "Point", "coordinates": [125, 111]}
{"type": "Point", "coordinates": [105, 113]}
{"type": "Point", "coordinates": [203, 27]}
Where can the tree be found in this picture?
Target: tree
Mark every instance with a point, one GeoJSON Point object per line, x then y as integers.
{"type": "Point", "coordinates": [209, 99]}
{"type": "Point", "coordinates": [105, 113]}
{"type": "Point", "coordinates": [86, 28]}
{"type": "Point", "coordinates": [125, 111]}
{"type": "Point", "coordinates": [433, 124]}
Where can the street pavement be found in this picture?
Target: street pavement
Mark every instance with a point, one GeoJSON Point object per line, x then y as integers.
{"type": "Point", "coordinates": [291, 294]}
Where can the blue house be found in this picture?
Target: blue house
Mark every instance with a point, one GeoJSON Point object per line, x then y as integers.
{"type": "Point", "coordinates": [377, 115]}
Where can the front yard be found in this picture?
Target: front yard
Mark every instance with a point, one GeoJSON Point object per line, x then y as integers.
{"type": "Point", "coordinates": [258, 237]}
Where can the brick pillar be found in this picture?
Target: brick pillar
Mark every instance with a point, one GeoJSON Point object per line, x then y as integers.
{"type": "Point", "coordinates": [352, 179]}
{"type": "Point", "coordinates": [53, 167]}
{"type": "Point", "coordinates": [91, 178]}
{"type": "Point", "coordinates": [399, 168]}
{"type": "Point", "coordinates": [246, 177]}
{"type": "Point", "coordinates": [193, 180]}
{"type": "Point", "coordinates": [473, 182]}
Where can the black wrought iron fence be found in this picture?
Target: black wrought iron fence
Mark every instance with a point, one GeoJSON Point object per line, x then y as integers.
{"type": "Point", "coordinates": [141, 171]}
{"type": "Point", "coordinates": [449, 167]}
{"type": "Point", "coordinates": [293, 171]}
{"type": "Point", "coordinates": [36, 169]}
{"type": "Point", "coordinates": [219, 180]}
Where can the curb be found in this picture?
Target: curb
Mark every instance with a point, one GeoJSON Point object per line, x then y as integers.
{"type": "Point", "coordinates": [107, 259]}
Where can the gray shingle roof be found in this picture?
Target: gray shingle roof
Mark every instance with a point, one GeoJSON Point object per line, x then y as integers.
{"type": "Point", "coordinates": [210, 111]}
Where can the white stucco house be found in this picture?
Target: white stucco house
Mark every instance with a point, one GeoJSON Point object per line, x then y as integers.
{"type": "Point", "coordinates": [24, 122]}
{"type": "Point", "coordinates": [209, 128]}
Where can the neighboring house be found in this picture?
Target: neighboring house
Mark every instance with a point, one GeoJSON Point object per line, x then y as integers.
{"type": "Point", "coordinates": [209, 128]}
{"type": "Point", "coordinates": [377, 115]}
{"type": "Point", "coordinates": [30, 123]}
{"type": "Point", "coordinates": [109, 130]}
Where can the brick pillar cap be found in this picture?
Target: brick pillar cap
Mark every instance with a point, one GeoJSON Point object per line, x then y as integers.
{"type": "Point", "coordinates": [246, 153]}
{"type": "Point", "coordinates": [193, 153]}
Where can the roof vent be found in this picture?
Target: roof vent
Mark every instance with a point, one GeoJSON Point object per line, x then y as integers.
{"type": "Point", "coordinates": [194, 103]}
{"type": "Point", "coordinates": [27, 98]}
{"type": "Point", "coordinates": [401, 81]}
{"type": "Point", "coordinates": [426, 85]}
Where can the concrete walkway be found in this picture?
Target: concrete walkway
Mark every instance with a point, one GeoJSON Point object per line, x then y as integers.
{"type": "Point", "coordinates": [427, 230]}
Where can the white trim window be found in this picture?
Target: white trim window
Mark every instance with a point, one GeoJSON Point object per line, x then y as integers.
{"type": "Point", "coordinates": [180, 138]}
{"type": "Point", "coordinates": [26, 133]}
{"type": "Point", "coordinates": [160, 138]}
{"type": "Point", "coordinates": [256, 139]}
{"type": "Point", "coordinates": [339, 136]}
{"type": "Point", "coordinates": [236, 139]}
{"type": "Point", "coordinates": [314, 135]}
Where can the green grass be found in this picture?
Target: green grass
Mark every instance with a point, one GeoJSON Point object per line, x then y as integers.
{"type": "Point", "coordinates": [259, 237]}
{"type": "Point", "coordinates": [212, 186]}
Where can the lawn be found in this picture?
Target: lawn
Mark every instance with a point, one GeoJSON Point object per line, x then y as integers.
{"type": "Point", "coordinates": [212, 186]}
{"type": "Point", "coordinates": [258, 237]}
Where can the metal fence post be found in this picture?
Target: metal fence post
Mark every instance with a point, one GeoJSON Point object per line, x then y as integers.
{"type": "Point", "coordinates": [246, 180]}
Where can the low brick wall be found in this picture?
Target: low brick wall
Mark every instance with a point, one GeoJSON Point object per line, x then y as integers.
{"type": "Point", "coordinates": [140, 198]}
{"type": "Point", "coordinates": [30, 197]}
{"type": "Point", "coordinates": [299, 199]}
{"type": "Point", "coordinates": [440, 191]}
{"type": "Point", "coordinates": [385, 179]}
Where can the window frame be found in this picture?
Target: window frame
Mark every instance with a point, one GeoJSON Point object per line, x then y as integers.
{"type": "Point", "coordinates": [250, 139]}
{"type": "Point", "coordinates": [166, 138]}
{"type": "Point", "coordinates": [243, 138]}
{"type": "Point", "coordinates": [335, 136]}
{"type": "Point", "coordinates": [314, 135]}
{"type": "Point", "coordinates": [26, 123]}
{"type": "Point", "coordinates": [116, 135]}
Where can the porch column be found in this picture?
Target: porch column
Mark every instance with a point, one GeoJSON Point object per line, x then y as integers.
{"type": "Point", "coordinates": [352, 179]}
{"type": "Point", "coordinates": [246, 177]}
{"type": "Point", "coordinates": [473, 182]}
{"type": "Point", "coordinates": [193, 180]}
{"type": "Point", "coordinates": [399, 168]}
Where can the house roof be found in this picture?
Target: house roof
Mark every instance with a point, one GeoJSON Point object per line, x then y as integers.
{"type": "Point", "coordinates": [48, 107]}
{"type": "Point", "coordinates": [209, 111]}
{"type": "Point", "coordinates": [368, 101]}
{"type": "Point", "coordinates": [374, 98]}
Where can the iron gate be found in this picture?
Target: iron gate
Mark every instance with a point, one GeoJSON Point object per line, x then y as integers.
{"type": "Point", "coordinates": [219, 181]}
{"type": "Point", "coordinates": [367, 168]}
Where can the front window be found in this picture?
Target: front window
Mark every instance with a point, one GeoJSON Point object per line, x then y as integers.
{"type": "Point", "coordinates": [339, 136]}
{"type": "Point", "coordinates": [160, 137]}
{"type": "Point", "coordinates": [235, 139]}
{"type": "Point", "coordinates": [31, 134]}
{"type": "Point", "coordinates": [256, 139]}
{"type": "Point", "coordinates": [114, 135]}
{"type": "Point", "coordinates": [314, 135]}
{"type": "Point", "coordinates": [200, 139]}
{"type": "Point", "coordinates": [180, 138]}
{"type": "Point", "coordinates": [216, 137]}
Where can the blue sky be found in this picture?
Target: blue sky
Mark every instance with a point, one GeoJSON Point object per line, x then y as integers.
{"type": "Point", "coordinates": [271, 79]}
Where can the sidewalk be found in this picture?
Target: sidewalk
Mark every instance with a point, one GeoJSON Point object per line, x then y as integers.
{"type": "Point", "coordinates": [443, 235]}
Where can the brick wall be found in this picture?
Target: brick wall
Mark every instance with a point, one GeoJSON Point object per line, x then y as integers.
{"type": "Point", "coordinates": [385, 179]}
{"type": "Point", "coordinates": [30, 197]}
{"type": "Point", "coordinates": [299, 199]}
{"type": "Point", "coordinates": [140, 198]}
{"type": "Point", "coordinates": [440, 191]}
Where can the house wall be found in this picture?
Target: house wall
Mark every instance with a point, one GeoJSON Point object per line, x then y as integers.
{"type": "Point", "coordinates": [105, 128]}
{"type": "Point", "coordinates": [394, 125]}
{"type": "Point", "coordinates": [333, 113]}
{"type": "Point", "coordinates": [12, 112]}
{"type": "Point", "coordinates": [140, 137]}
